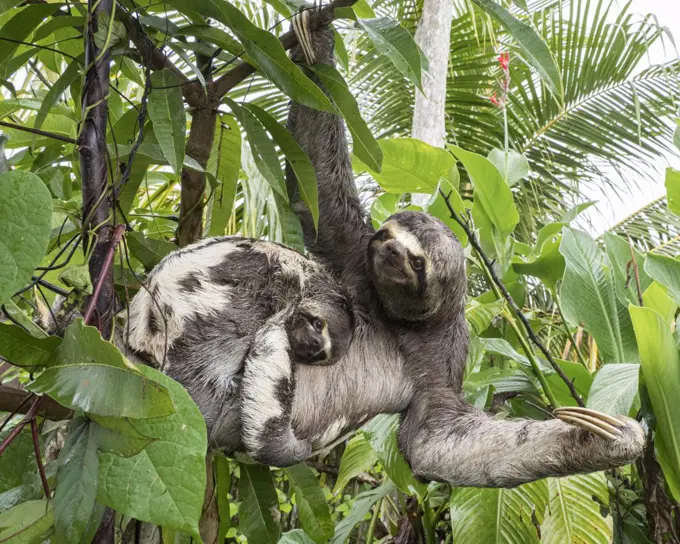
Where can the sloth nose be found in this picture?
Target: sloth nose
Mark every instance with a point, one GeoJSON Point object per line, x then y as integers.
{"type": "Point", "coordinates": [316, 343]}
{"type": "Point", "coordinates": [393, 249]}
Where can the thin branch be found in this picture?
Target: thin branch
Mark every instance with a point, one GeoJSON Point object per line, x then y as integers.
{"type": "Point", "coordinates": [474, 242]}
{"type": "Point", "coordinates": [38, 457]}
{"type": "Point", "coordinates": [39, 132]}
{"type": "Point", "coordinates": [19, 426]}
{"type": "Point", "coordinates": [288, 40]}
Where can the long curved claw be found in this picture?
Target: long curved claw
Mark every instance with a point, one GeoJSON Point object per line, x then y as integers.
{"type": "Point", "coordinates": [602, 425]}
{"type": "Point", "coordinates": [301, 27]}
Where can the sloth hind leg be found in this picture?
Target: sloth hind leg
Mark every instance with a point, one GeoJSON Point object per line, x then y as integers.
{"type": "Point", "coordinates": [268, 389]}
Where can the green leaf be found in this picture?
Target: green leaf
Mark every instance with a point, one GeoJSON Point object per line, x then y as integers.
{"type": "Point", "coordinates": [296, 536]}
{"type": "Point", "coordinates": [258, 500]}
{"type": "Point", "coordinates": [30, 522]}
{"type": "Point", "coordinates": [22, 349]}
{"type": "Point", "coordinates": [148, 251]}
{"type": "Point", "coordinates": [224, 164]}
{"type": "Point", "coordinates": [213, 35]}
{"type": "Point", "coordinates": [18, 460]}
{"type": "Point", "coordinates": [165, 483]}
{"type": "Point", "coordinates": [396, 43]}
{"type": "Point", "coordinates": [673, 188]}
{"type": "Point", "coordinates": [67, 77]}
{"type": "Point", "coordinates": [614, 389]}
{"type": "Point", "coordinates": [545, 262]}
{"type": "Point", "coordinates": [666, 271]}
{"type": "Point", "coordinates": [381, 433]}
{"type": "Point", "coordinates": [575, 514]}
{"type": "Point", "coordinates": [313, 510]}
{"type": "Point", "coordinates": [296, 157]}
{"type": "Point", "coordinates": [358, 457]}
{"type": "Point", "coordinates": [263, 48]}
{"type": "Point", "coordinates": [620, 259]}
{"type": "Point", "coordinates": [518, 165]}
{"type": "Point", "coordinates": [89, 374]}
{"type": "Point", "coordinates": [439, 209]}
{"type": "Point", "coordinates": [74, 499]}
{"type": "Point", "coordinates": [656, 297]}
{"type": "Point", "coordinates": [535, 49]}
{"type": "Point", "coordinates": [480, 316]}
{"type": "Point", "coordinates": [661, 370]}
{"type": "Point", "coordinates": [410, 165]}
{"type": "Point", "coordinates": [364, 144]}
{"type": "Point", "coordinates": [491, 190]}
{"type": "Point", "coordinates": [222, 487]}
{"type": "Point", "coordinates": [363, 503]}
{"type": "Point", "coordinates": [497, 515]}
{"type": "Point", "coordinates": [264, 153]}
{"type": "Point", "coordinates": [588, 297]}
{"type": "Point", "coordinates": [25, 224]}
{"type": "Point", "coordinates": [166, 110]}
{"type": "Point", "coordinates": [20, 26]}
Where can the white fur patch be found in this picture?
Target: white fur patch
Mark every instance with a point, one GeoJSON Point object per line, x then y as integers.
{"type": "Point", "coordinates": [405, 238]}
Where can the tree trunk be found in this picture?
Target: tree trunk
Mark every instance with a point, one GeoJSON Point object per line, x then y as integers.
{"type": "Point", "coordinates": [433, 35]}
{"type": "Point", "coordinates": [94, 168]}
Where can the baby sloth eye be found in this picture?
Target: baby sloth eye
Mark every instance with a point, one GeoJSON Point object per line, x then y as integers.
{"type": "Point", "coordinates": [418, 263]}
{"type": "Point", "coordinates": [317, 324]}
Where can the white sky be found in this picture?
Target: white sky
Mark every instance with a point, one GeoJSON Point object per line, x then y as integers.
{"type": "Point", "coordinates": [612, 208]}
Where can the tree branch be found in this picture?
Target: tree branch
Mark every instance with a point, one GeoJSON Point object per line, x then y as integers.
{"type": "Point", "coordinates": [288, 40]}
{"type": "Point", "coordinates": [52, 135]}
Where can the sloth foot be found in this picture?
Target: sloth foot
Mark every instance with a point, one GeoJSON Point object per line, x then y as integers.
{"type": "Point", "coordinates": [625, 436]}
{"type": "Point", "coordinates": [301, 28]}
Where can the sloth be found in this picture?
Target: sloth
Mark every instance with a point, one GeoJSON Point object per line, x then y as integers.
{"type": "Point", "coordinates": [227, 310]}
{"type": "Point", "coordinates": [407, 282]}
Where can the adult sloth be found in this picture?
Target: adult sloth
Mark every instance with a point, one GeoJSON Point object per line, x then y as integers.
{"type": "Point", "coordinates": [407, 283]}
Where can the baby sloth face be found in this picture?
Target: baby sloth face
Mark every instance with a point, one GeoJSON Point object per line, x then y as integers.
{"type": "Point", "coordinates": [320, 331]}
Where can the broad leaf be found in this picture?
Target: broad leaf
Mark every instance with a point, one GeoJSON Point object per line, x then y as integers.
{"type": "Point", "coordinates": [222, 488]}
{"type": "Point", "coordinates": [363, 503]}
{"type": "Point", "coordinates": [17, 29]}
{"type": "Point", "coordinates": [411, 166]}
{"type": "Point", "coordinates": [258, 500]}
{"type": "Point", "coordinates": [661, 370]}
{"type": "Point", "coordinates": [296, 157]}
{"type": "Point", "coordinates": [296, 536]}
{"type": "Point", "coordinates": [575, 513]}
{"type": "Point", "coordinates": [166, 110]}
{"type": "Point", "coordinates": [614, 389]}
{"type": "Point", "coordinates": [516, 163]}
{"type": "Point", "coordinates": [535, 49]}
{"type": "Point", "coordinates": [497, 516]}
{"type": "Point", "coordinates": [439, 209]}
{"type": "Point", "coordinates": [666, 271]}
{"type": "Point", "coordinates": [165, 483]}
{"type": "Point", "coordinates": [358, 457]}
{"type": "Point", "coordinates": [673, 187]}
{"type": "Point", "coordinates": [73, 71]}
{"type": "Point", "coordinates": [365, 146]}
{"type": "Point", "coordinates": [545, 262]}
{"type": "Point", "coordinates": [313, 510]}
{"type": "Point", "coordinates": [480, 316]}
{"type": "Point", "coordinates": [588, 297]}
{"type": "Point", "coordinates": [148, 251]}
{"type": "Point", "coordinates": [22, 349]}
{"type": "Point", "coordinates": [25, 223]}
{"type": "Point", "coordinates": [656, 297]}
{"type": "Point", "coordinates": [264, 49]}
{"type": "Point", "coordinates": [491, 191]}
{"type": "Point", "coordinates": [18, 460]}
{"type": "Point", "coordinates": [30, 522]}
{"type": "Point", "coordinates": [621, 261]}
{"type": "Point", "coordinates": [89, 374]}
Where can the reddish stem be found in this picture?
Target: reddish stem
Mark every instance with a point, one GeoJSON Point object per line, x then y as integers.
{"type": "Point", "coordinates": [30, 415]}
{"type": "Point", "coordinates": [115, 240]}
{"type": "Point", "coordinates": [38, 457]}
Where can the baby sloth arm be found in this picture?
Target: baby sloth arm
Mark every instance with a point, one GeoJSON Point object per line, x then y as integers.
{"type": "Point", "coordinates": [268, 388]}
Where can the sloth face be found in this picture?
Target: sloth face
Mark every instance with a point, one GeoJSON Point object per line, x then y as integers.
{"type": "Point", "coordinates": [417, 266]}
{"type": "Point", "coordinates": [320, 331]}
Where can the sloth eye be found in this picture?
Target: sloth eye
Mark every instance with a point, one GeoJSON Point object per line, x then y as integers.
{"type": "Point", "coordinates": [317, 324]}
{"type": "Point", "coordinates": [418, 263]}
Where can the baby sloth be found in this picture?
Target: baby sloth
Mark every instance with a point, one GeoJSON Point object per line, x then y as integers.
{"type": "Point", "coordinates": [230, 309]}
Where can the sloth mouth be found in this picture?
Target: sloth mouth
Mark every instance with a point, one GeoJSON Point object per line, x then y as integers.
{"type": "Point", "coordinates": [396, 269]}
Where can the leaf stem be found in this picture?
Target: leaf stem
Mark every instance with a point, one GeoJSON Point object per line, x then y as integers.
{"type": "Point", "coordinates": [374, 521]}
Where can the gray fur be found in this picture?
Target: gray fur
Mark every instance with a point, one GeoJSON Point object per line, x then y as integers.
{"type": "Point", "coordinates": [410, 344]}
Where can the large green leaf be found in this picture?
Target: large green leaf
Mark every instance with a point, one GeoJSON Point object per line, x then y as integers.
{"type": "Point", "coordinates": [358, 457]}
{"type": "Point", "coordinates": [18, 460]}
{"type": "Point", "coordinates": [362, 505]}
{"type": "Point", "coordinates": [89, 374]}
{"type": "Point", "coordinates": [410, 165]}
{"type": "Point", "coordinates": [397, 44]}
{"type": "Point", "coordinates": [438, 207]}
{"type": "Point", "coordinates": [621, 261]}
{"type": "Point", "coordinates": [74, 499]}
{"type": "Point", "coordinates": [296, 157]}
{"type": "Point", "coordinates": [313, 510]}
{"type": "Point", "coordinates": [224, 164]}
{"type": "Point", "coordinates": [296, 536]}
{"type": "Point", "coordinates": [25, 223]}
{"type": "Point", "coordinates": [17, 29]}
{"type": "Point", "coordinates": [545, 261]}
{"type": "Point", "coordinates": [614, 388]}
{"type": "Point", "coordinates": [666, 271]}
{"type": "Point", "coordinates": [222, 489]}
{"type": "Point", "coordinates": [516, 163]}
{"type": "Point", "coordinates": [263, 48]}
{"type": "Point", "coordinates": [166, 110]}
{"type": "Point", "coordinates": [148, 251]}
{"type": "Point", "coordinates": [258, 501]}
{"type": "Point", "coordinates": [491, 190]}
{"type": "Point", "coordinates": [165, 483]}
{"type": "Point", "coordinates": [673, 187]}
{"type": "Point", "coordinates": [535, 49]}
{"type": "Point", "coordinates": [73, 71]}
{"type": "Point", "coordinates": [497, 516]}
{"type": "Point", "coordinates": [22, 349]}
{"type": "Point", "coordinates": [588, 297]}
{"type": "Point", "coordinates": [575, 513]}
{"type": "Point", "coordinates": [365, 146]}
{"type": "Point", "coordinates": [661, 370]}
{"type": "Point", "coordinates": [30, 522]}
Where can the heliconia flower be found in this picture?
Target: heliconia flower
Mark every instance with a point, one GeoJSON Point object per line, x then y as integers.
{"type": "Point", "coordinates": [504, 61]}
{"type": "Point", "coordinates": [494, 100]}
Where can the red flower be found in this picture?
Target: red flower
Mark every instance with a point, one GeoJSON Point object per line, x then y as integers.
{"type": "Point", "coordinates": [504, 61]}
{"type": "Point", "coordinates": [494, 100]}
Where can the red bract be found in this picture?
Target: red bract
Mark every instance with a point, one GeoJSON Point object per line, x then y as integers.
{"type": "Point", "coordinates": [494, 100]}
{"type": "Point", "coordinates": [504, 61]}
